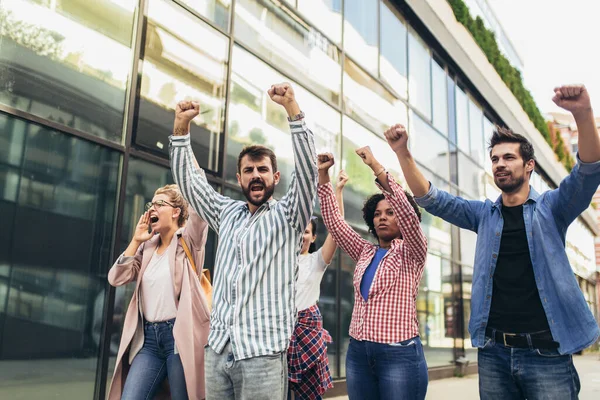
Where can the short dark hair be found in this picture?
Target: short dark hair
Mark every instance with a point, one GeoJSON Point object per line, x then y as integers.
{"type": "Point", "coordinates": [257, 152]}
{"type": "Point", "coordinates": [371, 205]}
{"type": "Point", "coordinates": [313, 222]}
{"type": "Point", "coordinates": [505, 135]}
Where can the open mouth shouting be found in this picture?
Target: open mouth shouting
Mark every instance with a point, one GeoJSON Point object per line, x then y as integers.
{"type": "Point", "coordinates": [153, 219]}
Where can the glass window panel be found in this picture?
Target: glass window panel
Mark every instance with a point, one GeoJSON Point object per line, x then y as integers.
{"type": "Point", "coordinates": [468, 241]}
{"type": "Point", "coordinates": [467, 283]}
{"type": "Point", "coordinates": [168, 77]}
{"type": "Point", "coordinates": [290, 44]}
{"type": "Point", "coordinates": [419, 68]}
{"type": "Point", "coordinates": [491, 190]}
{"type": "Point", "coordinates": [360, 32]}
{"type": "Point", "coordinates": [439, 237]}
{"type": "Point", "coordinates": [255, 119]}
{"type": "Point", "coordinates": [488, 130]}
{"type": "Point", "coordinates": [476, 131]}
{"type": "Point", "coordinates": [471, 177]}
{"type": "Point", "coordinates": [428, 147]}
{"type": "Point", "coordinates": [326, 15]}
{"type": "Point", "coordinates": [346, 307]}
{"type": "Point", "coordinates": [440, 98]}
{"type": "Point", "coordinates": [369, 102]}
{"type": "Point", "coordinates": [68, 61]}
{"type": "Point", "coordinates": [67, 186]}
{"type": "Point", "coordinates": [462, 120]}
{"type": "Point", "coordinates": [451, 111]}
{"type": "Point", "coordinates": [216, 11]}
{"type": "Point", "coordinates": [393, 59]}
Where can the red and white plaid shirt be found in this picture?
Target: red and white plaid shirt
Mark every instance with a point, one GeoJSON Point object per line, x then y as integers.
{"type": "Point", "coordinates": [389, 315]}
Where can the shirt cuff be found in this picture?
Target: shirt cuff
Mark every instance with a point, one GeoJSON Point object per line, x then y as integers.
{"type": "Point", "coordinates": [125, 259]}
{"type": "Point", "coordinates": [179, 140]}
{"type": "Point", "coordinates": [428, 198]}
{"type": "Point", "coordinates": [298, 124]}
{"type": "Point", "coordinates": [391, 181]}
{"type": "Point", "coordinates": [587, 168]}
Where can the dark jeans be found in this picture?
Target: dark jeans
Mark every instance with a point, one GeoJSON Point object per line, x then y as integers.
{"type": "Point", "coordinates": [525, 373]}
{"type": "Point", "coordinates": [386, 371]}
{"type": "Point", "coordinates": [154, 363]}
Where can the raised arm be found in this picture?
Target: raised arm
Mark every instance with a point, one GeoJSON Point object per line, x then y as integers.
{"type": "Point", "coordinates": [456, 210]}
{"type": "Point", "coordinates": [329, 247]}
{"type": "Point", "coordinates": [299, 199]}
{"type": "Point", "coordinates": [345, 237]}
{"type": "Point", "coordinates": [188, 175]}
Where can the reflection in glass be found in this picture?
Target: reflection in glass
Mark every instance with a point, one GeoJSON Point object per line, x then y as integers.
{"type": "Point", "coordinates": [62, 201]}
{"type": "Point", "coordinates": [255, 119]}
{"type": "Point", "coordinates": [462, 120]}
{"type": "Point", "coordinates": [291, 45]}
{"type": "Point", "coordinates": [488, 130]}
{"type": "Point", "coordinates": [369, 102]}
{"type": "Point", "coordinates": [325, 14]}
{"type": "Point", "coordinates": [182, 61]}
{"type": "Point", "coordinates": [476, 132]}
{"type": "Point", "coordinates": [471, 177]}
{"type": "Point", "coordinates": [393, 58]}
{"type": "Point", "coordinates": [419, 68]}
{"type": "Point", "coordinates": [429, 147]}
{"type": "Point", "coordinates": [360, 32]}
{"type": "Point", "coordinates": [215, 10]}
{"type": "Point", "coordinates": [440, 98]}
{"type": "Point", "coordinates": [68, 61]}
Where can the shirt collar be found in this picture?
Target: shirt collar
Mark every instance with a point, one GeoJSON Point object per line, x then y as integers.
{"type": "Point", "coordinates": [533, 196]}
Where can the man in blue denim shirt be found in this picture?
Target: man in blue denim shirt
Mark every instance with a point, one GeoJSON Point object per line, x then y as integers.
{"type": "Point", "coordinates": [528, 314]}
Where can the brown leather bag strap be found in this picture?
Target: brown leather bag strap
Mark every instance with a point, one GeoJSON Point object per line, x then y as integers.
{"type": "Point", "coordinates": [188, 253]}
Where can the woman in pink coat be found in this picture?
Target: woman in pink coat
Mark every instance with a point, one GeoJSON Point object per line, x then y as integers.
{"type": "Point", "coordinates": [167, 322]}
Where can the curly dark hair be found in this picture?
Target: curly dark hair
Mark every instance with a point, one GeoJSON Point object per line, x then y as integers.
{"type": "Point", "coordinates": [371, 205]}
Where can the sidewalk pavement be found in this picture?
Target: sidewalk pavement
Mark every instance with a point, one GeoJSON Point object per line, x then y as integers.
{"type": "Point", "coordinates": [588, 367]}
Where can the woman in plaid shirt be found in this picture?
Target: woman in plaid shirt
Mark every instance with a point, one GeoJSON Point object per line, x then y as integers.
{"type": "Point", "coordinates": [385, 357]}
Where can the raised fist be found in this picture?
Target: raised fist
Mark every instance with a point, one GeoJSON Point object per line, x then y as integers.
{"type": "Point", "coordinates": [342, 179]}
{"type": "Point", "coordinates": [325, 161]}
{"type": "Point", "coordinates": [366, 155]}
{"type": "Point", "coordinates": [282, 93]}
{"type": "Point", "coordinates": [187, 111]}
{"type": "Point", "coordinates": [397, 137]}
{"type": "Point", "coordinates": [573, 98]}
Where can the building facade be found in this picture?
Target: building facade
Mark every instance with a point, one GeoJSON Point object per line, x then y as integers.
{"type": "Point", "coordinates": [87, 96]}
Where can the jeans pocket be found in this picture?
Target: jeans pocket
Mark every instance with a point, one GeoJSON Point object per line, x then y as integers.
{"type": "Point", "coordinates": [406, 343]}
{"type": "Point", "coordinates": [487, 344]}
{"type": "Point", "coordinates": [549, 353]}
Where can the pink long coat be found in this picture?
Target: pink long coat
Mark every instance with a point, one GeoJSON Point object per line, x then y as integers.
{"type": "Point", "coordinates": [193, 315]}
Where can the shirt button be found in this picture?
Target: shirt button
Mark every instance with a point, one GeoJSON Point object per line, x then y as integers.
{"type": "Point", "coordinates": [487, 297]}
{"type": "Point", "coordinates": [494, 255]}
{"type": "Point", "coordinates": [497, 233]}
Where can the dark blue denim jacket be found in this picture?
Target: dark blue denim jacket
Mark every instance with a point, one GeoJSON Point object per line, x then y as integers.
{"type": "Point", "coordinates": [547, 217]}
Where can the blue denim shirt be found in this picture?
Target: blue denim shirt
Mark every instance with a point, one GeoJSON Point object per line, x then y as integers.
{"type": "Point", "coordinates": [547, 217]}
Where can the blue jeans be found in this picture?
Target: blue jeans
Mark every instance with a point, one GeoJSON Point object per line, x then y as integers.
{"type": "Point", "coordinates": [154, 363]}
{"type": "Point", "coordinates": [386, 371]}
{"type": "Point", "coordinates": [517, 373]}
{"type": "Point", "coordinates": [256, 378]}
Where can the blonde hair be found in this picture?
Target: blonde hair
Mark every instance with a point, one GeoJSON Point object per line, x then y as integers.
{"type": "Point", "coordinates": [175, 198]}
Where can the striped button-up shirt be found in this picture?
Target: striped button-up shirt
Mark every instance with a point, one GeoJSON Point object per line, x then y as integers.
{"type": "Point", "coordinates": [255, 268]}
{"type": "Point", "coordinates": [389, 315]}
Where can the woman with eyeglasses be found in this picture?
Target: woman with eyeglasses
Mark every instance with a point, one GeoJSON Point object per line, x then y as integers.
{"type": "Point", "coordinates": [308, 365]}
{"type": "Point", "coordinates": [167, 322]}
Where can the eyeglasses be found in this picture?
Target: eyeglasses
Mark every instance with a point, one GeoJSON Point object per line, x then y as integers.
{"type": "Point", "coordinates": [157, 204]}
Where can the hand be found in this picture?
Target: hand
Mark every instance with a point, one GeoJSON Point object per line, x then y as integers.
{"type": "Point", "coordinates": [141, 230]}
{"type": "Point", "coordinates": [185, 112]}
{"type": "Point", "coordinates": [283, 94]}
{"type": "Point", "coordinates": [342, 179]}
{"type": "Point", "coordinates": [325, 161]}
{"type": "Point", "coordinates": [573, 98]}
{"type": "Point", "coordinates": [397, 137]}
{"type": "Point", "coordinates": [366, 155]}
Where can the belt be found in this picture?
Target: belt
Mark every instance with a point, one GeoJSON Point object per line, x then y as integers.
{"type": "Point", "coordinates": [520, 340]}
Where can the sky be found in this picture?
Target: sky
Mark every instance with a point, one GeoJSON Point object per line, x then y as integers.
{"type": "Point", "coordinates": [559, 42]}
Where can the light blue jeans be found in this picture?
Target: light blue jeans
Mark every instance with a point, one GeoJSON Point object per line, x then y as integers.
{"type": "Point", "coordinates": [256, 378]}
{"type": "Point", "coordinates": [155, 362]}
{"type": "Point", "coordinates": [533, 374]}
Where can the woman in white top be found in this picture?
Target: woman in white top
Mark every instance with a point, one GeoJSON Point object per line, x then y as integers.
{"type": "Point", "coordinates": [167, 322]}
{"type": "Point", "coordinates": [307, 354]}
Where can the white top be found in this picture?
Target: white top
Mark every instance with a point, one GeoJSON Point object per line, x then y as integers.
{"type": "Point", "coordinates": [311, 268]}
{"type": "Point", "coordinates": [157, 290]}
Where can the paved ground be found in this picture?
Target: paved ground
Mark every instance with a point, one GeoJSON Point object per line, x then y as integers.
{"type": "Point", "coordinates": [466, 388]}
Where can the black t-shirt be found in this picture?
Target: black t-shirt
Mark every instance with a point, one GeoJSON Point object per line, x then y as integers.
{"type": "Point", "coordinates": [516, 305]}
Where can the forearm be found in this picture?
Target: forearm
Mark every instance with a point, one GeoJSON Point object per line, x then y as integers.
{"type": "Point", "coordinates": [417, 183]}
{"type": "Point", "coordinates": [132, 248]}
{"type": "Point", "coordinates": [339, 196]}
{"type": "Point", "coordinates": [380, 175]}
{"type": "Point", "coordinates": [588, 140]}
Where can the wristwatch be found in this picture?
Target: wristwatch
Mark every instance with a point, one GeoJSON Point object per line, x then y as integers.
{"type": "Point", "coordinates": [296, 117]}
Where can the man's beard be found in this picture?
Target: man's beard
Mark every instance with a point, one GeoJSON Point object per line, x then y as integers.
{"type": "Point", "coordinates": [268, 192]}
{"type": "Point", "coordinates": [510, 185]}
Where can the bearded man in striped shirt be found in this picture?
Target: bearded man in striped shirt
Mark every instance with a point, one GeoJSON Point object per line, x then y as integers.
{"type": "Point", "coordinates": [255, 270]}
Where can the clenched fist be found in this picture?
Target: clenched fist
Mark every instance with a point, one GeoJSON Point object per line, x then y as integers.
{"type": "Point", "coordinates": [397, 137]}
{"type": "Point", "coordinates": [342, 179]}
{"type": "Point", "coordinates": [185, 112]}
{"type": "Point", "coordinates": [366, 155]}
{"type": "Point", "coordinates": [283, 94]}
{"type": "Point", "coordinates": [325, 161]}
{"type": "Point", "coordinates": [573, 98]}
